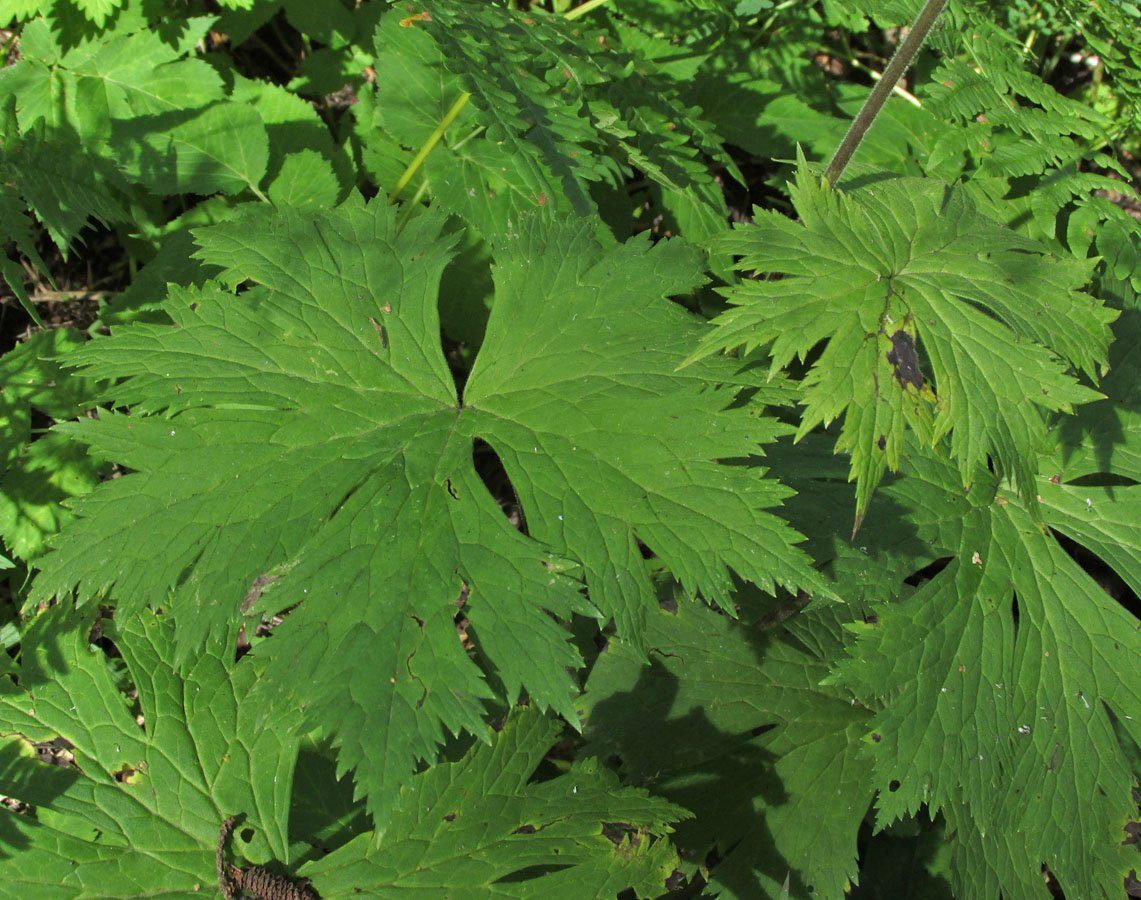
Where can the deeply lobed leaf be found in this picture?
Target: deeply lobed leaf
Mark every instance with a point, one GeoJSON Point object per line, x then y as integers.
{"type": "Point", "coordinates": [303, 443]}
{"type": "Point", "coordinates": [137, 812]}
{"type": "Point", "coordinates": [483, 827]}
{"type": "Point", "coordinates": [999, 690]}
{"type": "Point", "coordinates": [733, 723]}
{"type": "Point", "coordinates": [900, 265]}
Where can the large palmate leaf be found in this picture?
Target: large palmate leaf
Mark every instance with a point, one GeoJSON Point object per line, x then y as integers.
{"type": "Point", "coordinates": [733, 723]}
{"type": "Point", "coordinates": [302, 442]}
{"type": "Point", "coordinates": [900, 266]}
{"type": "Point", "coordinates": [136, 811]}
{"type": "Point", "coordinates": [481, 827]}
{"type": "Point", "coordinates": [999, 687]}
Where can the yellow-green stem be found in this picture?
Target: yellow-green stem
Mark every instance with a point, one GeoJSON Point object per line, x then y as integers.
{"type": "Point", "coordinates": [583, 8]}
{"type": "Point", "coordinates": [418, 160]}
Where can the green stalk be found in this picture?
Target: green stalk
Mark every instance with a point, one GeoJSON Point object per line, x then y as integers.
{"type": "Point", "coordinates": [583, 8]}
{"type": "Point", "coordinates": [422, 155]}
{"type": "Point", "coordinates": [883, 88]}
{"type": "Point", "coordinates": [438, 134]}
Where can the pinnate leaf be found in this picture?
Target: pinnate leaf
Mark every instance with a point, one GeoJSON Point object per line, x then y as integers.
{"type": "Point", "coordinates": [553, 110]}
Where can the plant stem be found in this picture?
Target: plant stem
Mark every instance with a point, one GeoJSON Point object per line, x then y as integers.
{"type": "Point", "coordinates": [418, 160]}
{"type": "Point", "coordinates": [883, 88]}
{"type": "Point", "coordinates": [877, 76]}
{"type": "Point", "coordinates": [583, 8]}
{"type": "Point", "coordinates": [410, 206]}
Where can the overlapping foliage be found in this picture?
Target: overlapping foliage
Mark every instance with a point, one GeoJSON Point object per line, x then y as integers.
{"type": "Point", "coordinates": [493, 536]}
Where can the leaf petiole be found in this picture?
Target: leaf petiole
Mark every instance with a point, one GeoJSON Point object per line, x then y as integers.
{"type": "Point", "coordinates": [583, 8]}
{"type": "Point", "coordinates": [883, 88]}
{"type": "Point", "coordinates": [434, 139]}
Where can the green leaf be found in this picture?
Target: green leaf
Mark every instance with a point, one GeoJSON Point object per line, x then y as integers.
{"type": "Point", "coordinates": [126, 76]}
{"type": "Point", "coordinates": [553, 112]}
{"type": "Point", "coordinates": [900, 265]}
{"type": "Point", "coordinates": [483, 827]}
{"type": "Point", "coordinates": [629, 439]}
{"type": "Point", "coordinates": [484, 168]}
{"type": "Point", "coordinates": [64, 188]}
{"type": "Point", "coordinates": [98, 10]}
{"type": "Point", "coordinates": [16, 229]}
{"type": "Point", "coordinates": [873, 565]}
{"type": "Point", "coordinates": [36, 476]}
{"type": "Point", "coordinates": [999, 691]}
{"type": "Point", "coordinates": [137, 813]}
{"type": "Point", "coordinates": [733, 724]}
{"type": "Point", "coordinates": [131, 100]}
{"type": "Point", "coordinates": [32, 491]}
{"type": "Point", "coordinates": [222, 147]}
{"type": "Point", "coordinates": [324, 812]}
{"type": "Point", "coordinates": [19, 9]}
{"type": "Point", "coordinates": [526, 76]}
{"type": "Point", "coordinates": [294, 129]}
{"type": "Point", "coordinates": [304, 179]}
{"type": "Point", "coordinates": [1105, 437]}
{"type": "Point", "coordinates": [308, 430]}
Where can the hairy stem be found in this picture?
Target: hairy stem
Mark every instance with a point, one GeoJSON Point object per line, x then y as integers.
{"type": "Point", "coordinates": [883, 88]}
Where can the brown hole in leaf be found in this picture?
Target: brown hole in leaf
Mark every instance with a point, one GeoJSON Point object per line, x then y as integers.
{"type": "Point", "coordinates": [379, 333]}
{"type": "Point", "coordinates": [254, 593]}
{"type": "Point", "coordinates": [127, 775]}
